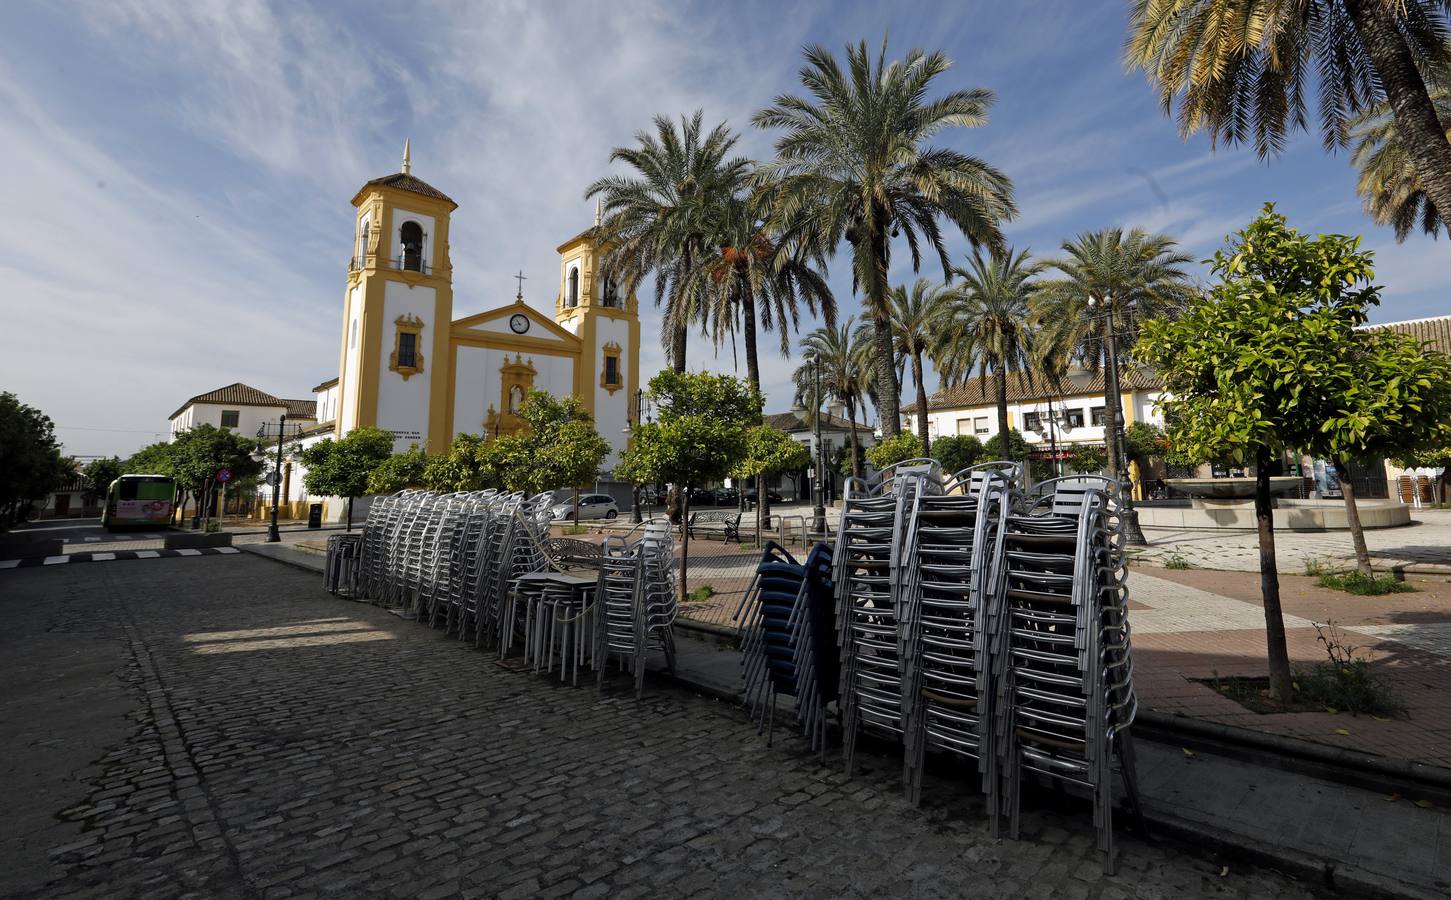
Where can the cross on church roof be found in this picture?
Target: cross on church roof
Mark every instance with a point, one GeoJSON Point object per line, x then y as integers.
{"type": "Point", "coordinates": [521, 278]}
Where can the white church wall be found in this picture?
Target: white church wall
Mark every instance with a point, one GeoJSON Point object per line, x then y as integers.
{"type": "Point", "coordinates": [403, 404]}
{"type": "Point", "coordinates": [347, 412]}
{"type": "Point", "coordinates": [477, 382]}
{"type": "Point", "coordinates": [611, 409]}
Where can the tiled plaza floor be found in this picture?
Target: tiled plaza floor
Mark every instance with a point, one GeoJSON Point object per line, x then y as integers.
{"type": "Point", "coordinates": [221, 727]}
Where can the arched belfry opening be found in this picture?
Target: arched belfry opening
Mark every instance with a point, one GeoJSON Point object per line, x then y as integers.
{"type": "Point", "coordinates": [572, 294]}
{"type": "Point", "coordinates": [410, 238]}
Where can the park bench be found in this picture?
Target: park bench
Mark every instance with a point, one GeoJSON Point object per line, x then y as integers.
{"type": "Point", "coordinates": [726, 524]}
{"type": "Point", "coordinates": [573, 554]}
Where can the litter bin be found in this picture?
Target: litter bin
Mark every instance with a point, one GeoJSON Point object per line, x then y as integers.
{"type": "Point", "coordinates": [314, 515]}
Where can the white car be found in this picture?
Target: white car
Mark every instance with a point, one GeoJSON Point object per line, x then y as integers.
{"type": "Point", "coordinates": [591, 506]}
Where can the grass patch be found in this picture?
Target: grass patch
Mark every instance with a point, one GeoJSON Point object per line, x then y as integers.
{"type": "Point", "coordinates": [704, 592]}
{"type": "Point", "coordinates": [1357, 582]}
{"type": "Point", "coordinates": [1177, 562]}
{"type": "Point", "coordinates": [1344, 682]}
{"type": "Point", "coordinates": [575, 529]}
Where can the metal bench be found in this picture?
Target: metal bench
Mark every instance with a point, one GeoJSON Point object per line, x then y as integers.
{"type": "Point", "coordinates": [727, 524]}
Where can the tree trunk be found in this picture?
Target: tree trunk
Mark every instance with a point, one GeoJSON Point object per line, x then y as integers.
{"type": "Point", "coordinates": [748, 331]}
{"type": "Point", "coordinates": [684, 541]}
{"type": "Point", "coordinates": [856, 462]}
{"type": "Point", "coordinates": [1110, 395]}
{"type": "Point", "coordinates": [678, 338]}
{"type": "Point", "coordinates": [1352, 518]}
{"type": "Point", "coordinates": [679, 335]}
{"type": "Point", "coordinates": [1279, 655]}
{"type": "Point", "coordinates": [576, 508]}
{"type": "Point", "coordinates": [922, 429]}
{"type": "Point", "coordinates": [1003, 411]}
{"type": "Point", "coordinates": [1414, 114]}
{"type": "Point", "coordinates": [350, 513]}
{"type": "Point", "coordinates": [888, 409]}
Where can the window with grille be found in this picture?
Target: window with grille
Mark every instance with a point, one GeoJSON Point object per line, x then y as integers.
{"type": "Point", "coordinates": [1075, 417]}
{"type": "Point", "coordinates": [1099, 415]}
{"type": "Point", "coordinates": [408, 350]}
{"type": "Point", "coordinates": [231, 418]}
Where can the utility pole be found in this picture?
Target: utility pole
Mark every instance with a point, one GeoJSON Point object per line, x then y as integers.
{"type": "Point", "coordinates": [818, 511]}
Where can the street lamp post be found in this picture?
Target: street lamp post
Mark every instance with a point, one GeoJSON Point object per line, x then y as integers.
{"type": "Point", "coordinates": [1116, 442]}
{"type": "Point", "coordinates": [273, 535]}
{"type": "Point", "coordinates": [818, 511]}
{"type": "Point", "coordinates": [639, 417]}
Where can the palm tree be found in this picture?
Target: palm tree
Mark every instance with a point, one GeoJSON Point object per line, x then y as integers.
{"type": "Point", "coordinates": [755, 277]}
{"type": "Point", "coordinates": [915, 319]}
{"type": "Point", "coordinates": [854, 165]}
{"type": "Point", "coordinates": [1241, 67]}
{"type": "Point", "coordinates": [660, 221]}
{"type": "Point", "coordinates": [986, 324]}
{"type": "Point", "coordinates": [844, 352]}
{"type": "Point", "coordinates": [1112, 282]}
{"type": "Point", "coordinates": [1389, 185]}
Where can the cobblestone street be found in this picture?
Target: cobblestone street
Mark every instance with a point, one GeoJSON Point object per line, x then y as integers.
{"type": "Point", "coordinates": [221, 727]}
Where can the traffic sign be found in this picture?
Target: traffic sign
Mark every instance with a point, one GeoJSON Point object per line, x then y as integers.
{"type": "Point", "coordinates": [224, 475]}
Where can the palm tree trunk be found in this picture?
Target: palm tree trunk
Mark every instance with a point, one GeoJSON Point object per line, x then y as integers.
{"type": "Point", "coordinates": [1279, 654]}
{"type": "Point", "coordinates": [888, 409]}
{"type": "Point", "coordinates": [1002, 388]}
{"type": "Point", "coordinates": [679, 334]}
{"type": "Point", "coordinates": [1352, 517]}
{"type": "Point", "coordinates": [1415, 116]}
{"type": "Point", "coordinates": [1110, 395]}
{"type": "Point", "coordinates": [922, 429]}
{"type": "Point", "coordinates": [678, 338]}
{"type": "Point", "coordinates": [747, 299]}
{"type": "Point", "coordinates": [856, 462]}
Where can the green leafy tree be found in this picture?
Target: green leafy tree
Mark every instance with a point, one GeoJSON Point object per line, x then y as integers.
{"type": "Point", "coordinates": [958, 451]}
{"type": "Point", "coordinates": [662, 220]}
{"type": "Point", "coordinates": [1112, 281]}
{"type": "Point", "coordinates": [471, 464]}
{"type": "Point", "coordinates": [1144, 441]}
{"type": "Point", "coordinates": [987, 324]}
{"type": "Point", "coordinates": [31, 465]}
{"type": "Point", "coordinates": [198, 453]}
{"type": "Point", "coordinates": [1086, 460]}
{"type": "Point", "coordinates": [1389, 186]}
{"type": "Point", "coordinates": [769, 451]}
{"type": "Point", "coordinates": [892, 450]}
{"type": "Point", "coordinates": [1258, 366]}
{"type": "Point", "coordinates": [98, 475]}
{"type": "Point", "coordinates": [153, 459]}
{"type": "Point", "coordinates": [559, 448]}
{"type": "Point", "coordinates": [700, 434]}
{"type": "Point", "coordinates": [1240, 70]}
{"type": "Point", "coordinates": [1015, 448]}
{"type": "Point", "coordinates": [854, 165]}
{"type": "Point", "coordinates": [342, 468]}
{"type": "Point", "coordinates": [400, 471]}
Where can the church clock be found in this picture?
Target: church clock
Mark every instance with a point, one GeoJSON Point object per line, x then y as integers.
{"type": "Point", "coordinates": [519, 323]}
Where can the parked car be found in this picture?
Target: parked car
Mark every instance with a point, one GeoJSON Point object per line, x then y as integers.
{"type": "Point", "coordinates": [773, 495]}
{"type": "Point", "coordinates": [591, 506]}
{"type": "Point", "coordinates": [702, 497]}
{"type": "Point", "coordinates": [727, 496]}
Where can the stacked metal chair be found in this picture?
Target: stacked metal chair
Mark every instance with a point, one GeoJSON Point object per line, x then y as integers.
{"type": "Point", "coordinates": [635, 601]}
{"type": "Point", "coordinates": [342, 570]}
{"type": "Point", "coordinates": [518, 550]}
{"type": "Point", "coordinates": [788, 639]}
{"type": "Point", "coordinates": [952, 575]}
{"type": "Point", "coordinates": [1065, 669]}
{"type": "Point", "coordinates": [870, 580]}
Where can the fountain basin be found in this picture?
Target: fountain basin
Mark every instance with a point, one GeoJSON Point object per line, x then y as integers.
{"type": "Point", "coordinates": [1231, 488]}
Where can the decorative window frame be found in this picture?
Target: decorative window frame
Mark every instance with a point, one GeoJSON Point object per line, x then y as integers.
{"type": "Point", "coordinates": [611, 351]}
{"type": "Point", "coordinates": [407, 324]}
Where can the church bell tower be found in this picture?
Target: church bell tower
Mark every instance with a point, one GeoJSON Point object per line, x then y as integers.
{"type": "Point", "coordinates": [592, 307]}
{"type": "Point", "coordinates": [394, 363]}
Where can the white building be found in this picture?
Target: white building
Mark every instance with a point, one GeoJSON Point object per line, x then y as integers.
{"type": "Point", "coordinates": [241, 408]}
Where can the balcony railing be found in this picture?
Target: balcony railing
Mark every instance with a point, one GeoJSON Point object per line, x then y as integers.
{"type": "Point", "coordinates": [358, 263]}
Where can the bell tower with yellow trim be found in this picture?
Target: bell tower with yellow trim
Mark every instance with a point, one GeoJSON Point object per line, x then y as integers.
{"type": "Point", "coordinates": [397, 311]}
{"type": "Point", "coordinates": [592, 307]}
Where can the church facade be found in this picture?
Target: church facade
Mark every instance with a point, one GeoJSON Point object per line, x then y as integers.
{"type": "Point", "coordinates": [407, 366]}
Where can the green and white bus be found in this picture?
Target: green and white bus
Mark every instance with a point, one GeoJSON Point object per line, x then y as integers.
{"type": "Point", "coordinates": [139, 501]}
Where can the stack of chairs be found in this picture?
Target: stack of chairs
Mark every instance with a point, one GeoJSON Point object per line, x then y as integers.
{"type": "Point", "coordinates": [952, 573]}
{"type": "Point", "coordinates": [1066, 686]}
{"type": "Point", "coordinates": [870, 580]}
{"type": "Point", "coordinates": [788, 639]}
{"type": "Point", "coordinates": [519, 550]}
{"type": "Point", "coordinates": [635, 601]}
{"type": "Point", "coordinates": [342, 571]}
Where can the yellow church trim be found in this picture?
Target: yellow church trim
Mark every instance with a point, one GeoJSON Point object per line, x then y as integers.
{"type": "Point", "coordinates": [407, 324]}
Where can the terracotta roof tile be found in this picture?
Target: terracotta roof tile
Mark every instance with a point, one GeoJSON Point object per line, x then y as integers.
{"type": "Point", "coordinates": [405, 182]}
{"type": "Point", "coordinates": [799, 420]}
{"type": "Point", "coordinates": [237, 394]}
{"type": "Point", "coordinates": [301, 409]}
{"type": "Point", "coordinates": [325, 385]}
{"type": "Point", "coordinates": [1435, 331]}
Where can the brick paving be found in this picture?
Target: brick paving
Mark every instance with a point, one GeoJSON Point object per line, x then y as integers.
{"type": "Point", "coordinates": [284, 743]}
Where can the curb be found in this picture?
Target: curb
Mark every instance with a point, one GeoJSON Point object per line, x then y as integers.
{"type": "Point", "coordinates": [304, 565]}
{"type": "Point", "coordinates": [1354, 768]}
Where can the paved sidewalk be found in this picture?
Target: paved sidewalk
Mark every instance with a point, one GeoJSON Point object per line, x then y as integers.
{"type": "Point", "coordinates": [1423, 546]}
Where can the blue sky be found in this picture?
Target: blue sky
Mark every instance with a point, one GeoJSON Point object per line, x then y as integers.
{"type": "Point", "coordinates": [178, 174]}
